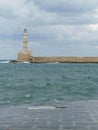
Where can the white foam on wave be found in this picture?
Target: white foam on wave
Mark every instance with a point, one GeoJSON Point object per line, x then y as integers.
{"type": "Point", "coordinates": [53, 63]}
{"type": "Point", "coordinates": [25, 62]}
{"type": "Point", "coordinates": [5, 61]}
{"type": "Point", "coordinates": [27, 95]}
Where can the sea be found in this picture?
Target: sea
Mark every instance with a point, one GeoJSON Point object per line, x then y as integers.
{"type": "Point", "coordinates": [27, 83]}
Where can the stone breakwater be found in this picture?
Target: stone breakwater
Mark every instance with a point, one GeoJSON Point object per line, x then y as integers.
{"type": "Point", "coordinates": [65, 59]}
{"type": "Point", "coordinates": [27, 57]}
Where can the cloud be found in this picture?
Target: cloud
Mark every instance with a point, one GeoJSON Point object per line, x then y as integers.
{"type": "Point", "coordinates": [70, 12]}
{"type": "Point", "coordinates": [66, 6]}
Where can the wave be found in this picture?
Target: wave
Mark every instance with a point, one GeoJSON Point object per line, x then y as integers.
{"type": "Point", "coordinates": [4, 62]}
{"type": "Point", "coordinates": [53, 63]}
{"type": "Point", "coordinates": [25, 62]}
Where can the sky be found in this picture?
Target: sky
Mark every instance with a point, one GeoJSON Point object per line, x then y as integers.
{"type": "Point", "coordinates": [55, 27]}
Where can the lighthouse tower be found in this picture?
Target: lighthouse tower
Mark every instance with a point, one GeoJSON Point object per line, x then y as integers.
{"type": "Point", "coordinates": [25, 41]}
{"type": "Point", "coordinates": [25, 54]}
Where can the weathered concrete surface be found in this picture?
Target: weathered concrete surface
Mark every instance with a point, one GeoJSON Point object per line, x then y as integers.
{"type": "Point", "coordinates": [57, 116]}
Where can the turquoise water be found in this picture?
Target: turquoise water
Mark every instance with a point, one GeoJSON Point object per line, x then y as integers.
{"type": "Point", "coordinates": [22, 83]}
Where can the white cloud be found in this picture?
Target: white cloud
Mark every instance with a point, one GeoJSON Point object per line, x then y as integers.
{"type": "Point", "coordinates": [93, 27]}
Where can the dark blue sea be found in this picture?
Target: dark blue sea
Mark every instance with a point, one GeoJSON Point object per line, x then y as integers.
{"type": "Point", "coordinates": [26, 83]}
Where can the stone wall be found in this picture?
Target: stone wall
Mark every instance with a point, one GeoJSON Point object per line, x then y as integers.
{"type": "Point", "coordinates": [24, 57]}
{"type": "Point", "coordinates": [28, 57]}
{"type": "Point", "coordinates": [66, 59]}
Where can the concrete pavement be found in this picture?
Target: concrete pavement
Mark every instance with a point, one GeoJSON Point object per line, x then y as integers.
{"type": "Point", "coordinates": [81, 115]}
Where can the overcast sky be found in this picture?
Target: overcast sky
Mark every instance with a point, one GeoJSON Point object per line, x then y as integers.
{"type": "Point", "coordinates": [55, 27]}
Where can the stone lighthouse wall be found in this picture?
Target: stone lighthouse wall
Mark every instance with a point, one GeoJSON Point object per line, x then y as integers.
{"type": "Point", "coordinates": [24, 56]}
{"type": "Point", "coordinates": [25, 41]}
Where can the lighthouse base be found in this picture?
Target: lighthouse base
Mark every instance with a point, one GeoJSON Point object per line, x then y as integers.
{"type": "Point", "coordinates": [24, 56]}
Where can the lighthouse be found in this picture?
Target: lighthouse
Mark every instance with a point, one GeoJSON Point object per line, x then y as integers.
{"type": "Point", "coordinates": [25, 54]}
{"type": "Point", "coordinates": [25, 41]}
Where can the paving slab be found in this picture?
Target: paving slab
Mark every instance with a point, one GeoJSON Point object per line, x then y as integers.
{"type": "Point", "coordinates": [80, 115]}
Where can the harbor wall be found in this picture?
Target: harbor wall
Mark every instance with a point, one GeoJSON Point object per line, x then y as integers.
{"type": "Point", "coordinates": [66, 59]}
{"type": "Point", "coordinates": [29, 58]}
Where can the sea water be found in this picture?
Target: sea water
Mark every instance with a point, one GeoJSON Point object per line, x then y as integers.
{"type": "Point", "coordinates": [22, 83]}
